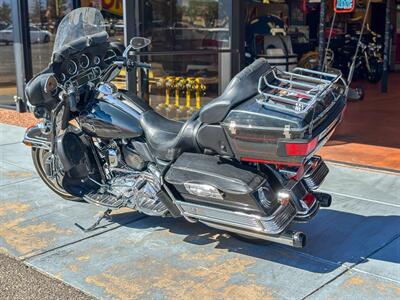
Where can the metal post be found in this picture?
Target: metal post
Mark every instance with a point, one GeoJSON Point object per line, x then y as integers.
{"type": "Point", "coordinates": [386, 50]}
{"type": "Point", "coordinates": [237, 31]}
{"type": "Point", "coordinates": [22, 50]}
{"type": "Point", "coordinates": [76, 4]}
{"type": "Point", "coordinates": [321, 42]}
{"type": "Point", "coordinates": [324, 66]}
{"type": "Point", "coordinates": [131, 22]}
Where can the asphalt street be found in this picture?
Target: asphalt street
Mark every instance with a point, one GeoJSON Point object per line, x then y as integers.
{"type": "Point", "coordinates": [18, 281]}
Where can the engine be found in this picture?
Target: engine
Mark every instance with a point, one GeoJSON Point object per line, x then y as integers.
{"type": "Point", "coordinates": [138, 190]}
{"type": "Point", "coordinates": [135, 184]}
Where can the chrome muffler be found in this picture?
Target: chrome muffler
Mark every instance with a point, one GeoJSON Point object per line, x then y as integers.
{"type": "Point", "coordinates": [270, 228]}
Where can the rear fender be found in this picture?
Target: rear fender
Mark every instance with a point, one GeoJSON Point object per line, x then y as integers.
{"type": "Point", "coordinates": [36, 138]}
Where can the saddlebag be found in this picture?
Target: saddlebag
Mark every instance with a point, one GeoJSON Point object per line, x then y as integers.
{"type": "Point", "coordinates": [212, 189]}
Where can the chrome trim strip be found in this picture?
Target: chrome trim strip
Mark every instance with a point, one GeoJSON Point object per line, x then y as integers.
{"type": "Point", "coordinates": [262, 222]}
{"type": "Point", "coordinates": [37, 143]}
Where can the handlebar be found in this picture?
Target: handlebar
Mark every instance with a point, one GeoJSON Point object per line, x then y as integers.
{"type": "Point", "coordinates": [135, 64]}
{"type": "Point", "coordinates": [143, 65]}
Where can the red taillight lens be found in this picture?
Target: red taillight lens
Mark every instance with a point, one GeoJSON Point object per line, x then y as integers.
{"type": "Point", "coordinates": [309, 199]}
{"type": "Point", "coordinates": [300, 149]}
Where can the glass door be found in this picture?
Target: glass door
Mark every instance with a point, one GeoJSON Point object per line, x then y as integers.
{"type": "Point", "coordinates": [190, 52]}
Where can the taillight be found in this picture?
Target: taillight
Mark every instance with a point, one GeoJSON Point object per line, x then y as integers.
{"type": "Point", "coordinates": [301, 149]}
{"type": "Point", "coordinates": [309, 199]}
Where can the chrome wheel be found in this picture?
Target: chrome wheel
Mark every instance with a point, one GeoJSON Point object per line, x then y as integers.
{"type": "Point", "coordinates": [40, 157]}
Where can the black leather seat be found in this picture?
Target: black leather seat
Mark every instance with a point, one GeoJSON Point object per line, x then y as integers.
{"type": "Point", "coordinates": [242, 87]}
{"type": "Point", "coordinates": [169, 138]}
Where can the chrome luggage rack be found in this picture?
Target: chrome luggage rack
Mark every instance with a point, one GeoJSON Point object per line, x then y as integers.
{"type": "Point", "coordinates": [296, 91]}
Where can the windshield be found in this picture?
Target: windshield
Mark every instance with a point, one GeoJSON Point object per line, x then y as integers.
{"type": "Point", "coordinates": [78, 23]}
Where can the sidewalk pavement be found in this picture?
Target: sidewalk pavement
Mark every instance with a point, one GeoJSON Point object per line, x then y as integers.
{"type": "Point", "coordinates": [353, 247]}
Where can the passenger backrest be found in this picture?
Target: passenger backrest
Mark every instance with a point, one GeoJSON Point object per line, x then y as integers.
{"type": "Point", "coordinates": [243, 86]}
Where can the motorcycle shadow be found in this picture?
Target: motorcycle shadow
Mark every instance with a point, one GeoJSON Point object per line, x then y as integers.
{"type": "Point", "coordinates": [334, 238]}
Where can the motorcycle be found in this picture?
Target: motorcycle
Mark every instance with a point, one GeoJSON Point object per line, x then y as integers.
{"type": "Point", "coordinates": [245, 163]}
{"type": "Point", "coordinates": [369, 61]}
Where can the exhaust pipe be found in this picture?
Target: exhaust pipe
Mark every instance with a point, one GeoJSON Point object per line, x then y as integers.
{"type": "Point", "coordinates": [294, 239]}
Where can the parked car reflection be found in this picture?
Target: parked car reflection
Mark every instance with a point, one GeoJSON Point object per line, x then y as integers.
{"type": "Point", "coordinates": [37, 35]}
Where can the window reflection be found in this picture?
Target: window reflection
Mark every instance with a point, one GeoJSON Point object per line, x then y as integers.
{"type": "Point", "coordinates": [7, 66]}
{"type": "Point", "coordinates": [186, 24]}
{"type": "Point", "coordinates": [189, 38]}
{"type": "Point", "coordinates": [45, 16]}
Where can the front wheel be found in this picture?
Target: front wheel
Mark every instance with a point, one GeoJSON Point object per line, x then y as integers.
{"type": "Point", "coordinates": [39, 157]}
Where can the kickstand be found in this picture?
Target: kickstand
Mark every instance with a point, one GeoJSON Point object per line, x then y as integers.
{"type": "Point", "coordinates": [105, 215]}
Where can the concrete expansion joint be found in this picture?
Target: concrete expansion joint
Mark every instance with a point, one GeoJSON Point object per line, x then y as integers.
{"type": "Point", "coordinates": [18, 182]}
{"type": "Point", "coordinates": [8, 144]}
{"type": "Point", "coordinates": [353, 267]}
{"type": "Point", "coordinates": [18, 166]}
{"type": "Point", "coordinates": [30, 256]}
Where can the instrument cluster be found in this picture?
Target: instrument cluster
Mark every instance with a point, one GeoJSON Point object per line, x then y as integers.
{"type": "Point", "coordinates": [86, 65]}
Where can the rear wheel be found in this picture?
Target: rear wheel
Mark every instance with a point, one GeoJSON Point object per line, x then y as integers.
{"type": "Point", "coordinates": [39, 157]}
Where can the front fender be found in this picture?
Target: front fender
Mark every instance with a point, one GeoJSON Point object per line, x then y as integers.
{"type": "Point", "coordinates": [34, 137]}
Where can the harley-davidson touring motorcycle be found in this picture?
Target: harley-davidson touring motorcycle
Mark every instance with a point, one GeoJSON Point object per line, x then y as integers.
{"type": "Point", "coordinates": [244, 163]}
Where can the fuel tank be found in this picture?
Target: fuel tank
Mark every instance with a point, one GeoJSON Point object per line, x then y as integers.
{"type": "Point", "coordinates": [113, 116]}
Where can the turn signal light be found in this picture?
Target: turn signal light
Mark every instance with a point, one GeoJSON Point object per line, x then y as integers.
{"type": "Point", "coordinates": [301, 149]}
{"type": "Point", "coordinates": [283, 197]}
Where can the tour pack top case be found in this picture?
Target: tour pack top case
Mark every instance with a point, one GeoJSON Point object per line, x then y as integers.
{"type": "Point", "coordinates": [291, 117]}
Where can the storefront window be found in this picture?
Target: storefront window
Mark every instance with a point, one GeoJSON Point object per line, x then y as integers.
{"type": "Point", "coordinates": [45, 15]}
{"type": "Point", "coordinates": [186, 24]}
{"type": "Point", "coordinates": [7, 67]}
{"type": "Point", "coordinates": [112, 12]}
{"type": "Point", "coordinates": [190, 52]}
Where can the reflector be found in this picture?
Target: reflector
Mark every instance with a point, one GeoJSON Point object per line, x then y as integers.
{"type": "Point", "coordinates": [301, 149]}
{"type": "Point", "coordinates": [203, 190]}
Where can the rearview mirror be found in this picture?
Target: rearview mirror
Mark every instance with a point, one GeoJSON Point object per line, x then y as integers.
{"type": "Point", "coordinates": [139, 42]}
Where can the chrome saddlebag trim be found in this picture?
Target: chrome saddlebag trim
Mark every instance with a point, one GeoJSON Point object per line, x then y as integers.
{"type": "Point", "coordinates": [315, 178]}
{"type": "Point", "coordinates": [274, 224]}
